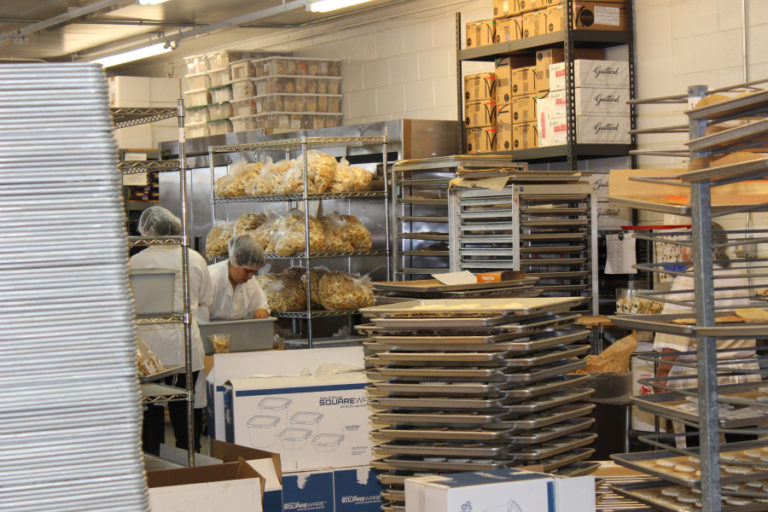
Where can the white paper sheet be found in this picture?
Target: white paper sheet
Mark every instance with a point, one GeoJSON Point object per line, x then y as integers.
{"type": "Point", "coordinates": [621, 254]}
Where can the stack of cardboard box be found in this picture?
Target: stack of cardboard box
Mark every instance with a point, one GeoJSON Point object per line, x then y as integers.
{"type": "Point", "coordinates": [480, 112]}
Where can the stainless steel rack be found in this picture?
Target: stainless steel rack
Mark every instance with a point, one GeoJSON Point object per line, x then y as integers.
{"type": "Point", "coordinates": [420, 209]}
{"type": "Point", "coordinates": [536, 228]}
{"type": "Point", "coordinates": [125, 117]}
{"type": "Point", "coordinates": [304, 143]}
{"type": "Point", "coordinates": [712, 457]}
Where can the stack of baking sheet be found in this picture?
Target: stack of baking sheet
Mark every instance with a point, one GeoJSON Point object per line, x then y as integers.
{"type": "Point", "coordinates": [390, 292]}
{"type": "Point", "coordinates": [476, 384]}
{"type": "Point", "coordinates": [69, 435]}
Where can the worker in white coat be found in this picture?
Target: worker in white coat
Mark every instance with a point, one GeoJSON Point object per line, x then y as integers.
{"type": "Point", "coordinates": [236, 295]}
{"type": "Point", "coordinates": [167, 340]}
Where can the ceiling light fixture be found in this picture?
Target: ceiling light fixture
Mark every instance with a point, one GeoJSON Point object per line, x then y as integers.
{"type": "Point", "coordinates": [151, 2]}
{"type": "Point", "coordinates": [132, 55]}
{"type": "Point", "coordinates": [332, 5]}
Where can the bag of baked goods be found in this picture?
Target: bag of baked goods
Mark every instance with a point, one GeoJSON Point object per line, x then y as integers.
{"type": "Point", "coordinates": [316, 274]}
{"type": "Point", "coordinates": [348, 178]}
{"type": "Point", "coordinates": [217, 240]}
{"type": "Point", "coordinates": [248, 222]}
{"type": "Point", "coordinates": [265, 232]}
{"type": "Point", "coordinates": [335, 234]}
{"type": "Point", "coordinates": [146, 360]}
{"type": "Point", "coordinates": [284, 293]}
{"type": "Point", "coordinates": [614, 359]}
{"type": "Point", "coordinates": [321, 169]}
{"type": "Point", "coordinates": [269, 179]}
{"type": "Point", "coordinates": [288, 237]}
{"type": "Point", "coordinates": [357, 234]}
{"type": "Point", "coordinates": [241, 175]}
{"type": "Point", "coordinates": [225, 186]}
{"type": "Point", "coordinates": [339, 290]}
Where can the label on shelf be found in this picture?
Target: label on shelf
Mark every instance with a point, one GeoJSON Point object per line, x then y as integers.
{"type": "Point", "coordinates": [607, 16]}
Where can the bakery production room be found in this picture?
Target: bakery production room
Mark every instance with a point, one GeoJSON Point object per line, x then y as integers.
{"type": "Point", "coordinates": [384, 256]}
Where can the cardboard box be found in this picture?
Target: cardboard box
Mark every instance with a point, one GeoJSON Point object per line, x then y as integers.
{"type": "Point", "coordinates": [313, 422]}
{"type": "Point", "coordinates": [504, 68]}
{"type": "Point", "coordinates": [503, 8]}
{"type": "Point", "coordinates": [480, 113]}
{"type": "Point", "coordinates": [269, 362]}
{"type": "Point", "coordinates": [341, 490]}
{"type": "Point", "coordinates": [605, 15]}
{"type": "Point", "coordinates": [553, 128]}
{"type": "Point", "coordinates": [530, 5]}
{"type": "Point", "coordinates": [357, 490]}
{"type": "Point", "coordinates": [546, 57]}
{"type": "Point", "coordinates": [606, 74]}
{"type": "Point", "coordinates": [310, 491]}
{"type": "Point", "coordinates": [509, 29]}
{"type": "Point", "coordinates": [499, 275]}
{"type": "Point", "coordinates": [555, 19]}
{"type": "Point", "coordinates": [480, 33]}
{"type": "Point", "coordinates": [525, 136]}
{"type": "Point", "coordinates": [534, 23]}
{"type": "Point", "coordinates": [524, 109]}
{"type": "Point", "coordinates": [523, 81]}
{"type": "Point", "coordinates": [501, 489]}
{"type": "Point", "coordinates": [504, 127]}
{"type": "Point", "coordinates": [479, 87]}
{"type": "Point", "coordinates": [590, 101]}
{"type": "Point", "coordinates": [481, 140]}
{"type": "Point", "coordinates": [218, 488]}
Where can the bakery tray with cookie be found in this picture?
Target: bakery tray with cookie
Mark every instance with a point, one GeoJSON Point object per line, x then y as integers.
{"type": "Point", "coordinates": [672, 498]}
{"type": "Point", "coordinates": [739, 462]}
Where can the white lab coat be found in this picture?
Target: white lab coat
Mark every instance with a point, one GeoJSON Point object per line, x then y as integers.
{"type": "Point", "coordinates": [237, 304]}
{"type": "Point", "coordinates": [167, 340]}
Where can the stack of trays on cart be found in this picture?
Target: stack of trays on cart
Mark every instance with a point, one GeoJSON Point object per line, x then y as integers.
{"type": "Point", "coordinates": [517, 285]}
{"type": "Point", "coordinates": [476, 384]}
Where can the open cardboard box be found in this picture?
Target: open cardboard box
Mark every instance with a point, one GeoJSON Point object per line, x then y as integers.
{"type": "Point", "coordinates": [233, 486]}
{"type": "Point", "coordinates": [621, 186]}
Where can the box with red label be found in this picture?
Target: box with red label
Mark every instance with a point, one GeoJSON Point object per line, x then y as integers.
{"type": "Point", "coordinates": [504, 127]}
{"type": "Point", "coordinates": [534, 23]}
{"type": "Point", "coordinates": [504, 68]}
{"type": "Point", "coordinates": [509, 29]}
{"type": "Point", "coordinates": [480, 87]}
{"type": "Point", "coordinates": [524, 109]}
{"type": "Point", "coordinates": [481, 140]}
{"type": "Point", "coordinates": [553, 126]}
{"type": "Point", "coordinates": [524, 81]}
{"type": "Point", "coordinates": [525, 136]}
{"type": "Point", "coordinates": [591, 73]}
{"type": "Point", "coordinates": [480, 113]}
{"type": "Point", "coordinates": [480, 33]}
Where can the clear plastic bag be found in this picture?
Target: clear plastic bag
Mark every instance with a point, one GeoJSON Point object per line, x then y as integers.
{"type": "Point", "coordinates": [345, 233]}
{"type": "Point", "coordinates": [270, 179]}
{"type": "Point", "coordinates": [321, 169]}
{"type": "Point", "coordinates": [265, 232]}
{"type": "Point", "coordinates": [249, 222]}
{"type": "Point", "coordinates": [147, 361]}
{"type": "Point", "coordinates": [288, 237]}
{"type": "Point", "coordinates": [350, 179]}
{"type": "Point", "coordinates": [217, 240]}
{"type": "Point", "coordinates": [239, 180]}
{"type": "Point", "coordinates": [284, 293]}
{"type": "Point", "coordinates": [339, 290]}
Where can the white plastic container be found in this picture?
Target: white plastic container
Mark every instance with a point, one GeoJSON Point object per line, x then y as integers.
{"type": "Point", "coordinates": [327, 442]}
{"type": "Point", "coordinates": [196, 98]}
{"type": "Point", "coordinates": [294, 438]}
{"type": "Point", "coordinates": [244, 107]}
{"type": "Point", "coordinates": [297, 121]}
{"type": "Point", "coordinates": [196, 115]}
{"type": "Point", "coordinates": [243, 88]}
{"type": "Point", "coordinates": [241, 69]}
{"type": "Point", "coordinates": [197, 81]}
{"type": "Point", "coordinates": [306, 419]}
{"type": "Point", "coordinates": [292, 84]}
{"type": "Point", "coordinates": [221, 94]}
{"type": "Point", "coordinates": [245, 335]}
{"type": "Point", "coordinates": [262, 430]}
{"type": "Point", "coordinates": [297, 66]}
{"type": "Point", "coordinates": [196, 64]}
{"type": "Point", "coordinates": [219, 127]}
{"type": "Point", "coordinates": [196, 130]}
{"type": "Point", "coordinates": [219, 77]}
{"type": "Point", "coordinates": [219, 110]}
{"type": "Point", "coordinates": [153, 290]}
{"type": "Point", "coordinates": [243, 123]}
{"type": "Point", "coordinates": [297, 103]}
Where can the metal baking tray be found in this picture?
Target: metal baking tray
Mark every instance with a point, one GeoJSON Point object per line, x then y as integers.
{"type": "Point", "coordinates": [638, 492]}
{"type": "Point", "coordinates": [551, 262]}
{"type": "Point", "coordinates": [553, 222]}
{"type": "Point", "coordinates": [756, 329]}
{"type": "Point", "coordinates": [547, 387]}
{"type": "Point", "coordinates": [637, 461]}
{"type": "Point", "coordinates": [552, 236]}
{"type": "Point", "coordinates": [549, 401]}
{"type": "Point", "coordinates": [447, 404]}
{"type": "Point", "coordinates": [565, 459]}
{"type": "Point", "coordinates": [437, 418]}
{"type": "Point", "coordinates": [480, 388]}
{"type": "Point", "coordinates": [576, 274]}
{"type": "Point", "coordinates": [581, 469]}
{"type": "Point", "coordinates": [484, 435]}
{"type": "Point", "coordinates": [474, 307]}
{"type": "Point", "coordinates": [446, 466]}
{"type": "Point", "coordinates": [554, 432]}
{"type": "Point", "coordinates": [444, 449]}
{"type": "Point", "coordinates": [394, 478]}
{"type": "Point", "coordinates": [539, 359]}
{"type": "Point", "coordinates": [172, 370]}
{"type": "Point", "coordinates": [656, 323]}
{"type": "Point", "coordinates": [545, 419]}
{"type": "Point", "coordinates": [665, 404]}
{"type": "Point", "coordinates": [488, 375]}
{"type": "Point", "coordinates": [563, 287]}
{"type": "Point", "coordinates": [553, 448]}
{"type": "Point", "coordinates": [545, 372]}
{"type": "Point", "coordinates": [394, 495]}
{"type": "Point", "coordinates": [433, 285]}
{"type": "Point", "coordinates": [443, 358]}
{"type": "Point", "coordinates": [552, 248]}
{"type": "Point", "coordinates": [519, 291]}
{"type": "Point", "coordinates": [533, 210]}
{"type": "Point", "coordinates": [446, 323]}
{"type": "Point", "coordinates": [521, 325]}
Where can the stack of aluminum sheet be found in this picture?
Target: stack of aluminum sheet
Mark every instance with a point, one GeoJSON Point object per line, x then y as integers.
{"type": "Point", "coordinates": [69, 434]}
{"type": "Point", "coordinates": [477, 384]}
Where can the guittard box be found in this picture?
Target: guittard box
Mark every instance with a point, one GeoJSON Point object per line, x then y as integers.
{"type": "Point", "coordinates": [609, 74]}
{"type": "Point", "coordinates": [479, 87]}
{"type": "Point", "coordinates": [534, 23]}
{"type": "Point", "coordinates": [481, 140]}
{"type": "Point", "coordinates": [480, 113]}
{"type": "Point", "coordinates": [607, 129]}
{"type": "Point", "coordinates": [480, 33]}
{"type": "Point", "coordinates": [590, 101]}
{"type": "Point", "coordinates": [524, 81]}
{"type": "Point", "coordinates": [509, 29]}
{"type": "Point", "coordinates": [524, 109]}
{"type": "Point", "coordinates": [546, 57]}
{"type": "Point", "coordinates": [525, 136]}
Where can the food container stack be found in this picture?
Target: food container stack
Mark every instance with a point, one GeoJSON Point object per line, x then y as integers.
{"type": "Point", "coordinates": [476, 384]}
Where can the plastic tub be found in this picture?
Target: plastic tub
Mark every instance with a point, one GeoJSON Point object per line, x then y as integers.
{"type": "Point", "coordinates": [241, 69]}
{"type": "Point", "coordinates": [327, 442]}
{"type": "Point", "coordinates": [294, 438]}
{"type": "Point", "coordinates": [219, 110]}
{"type": "Point", "coordinates": [196, 98]}
{"type": "Point", "coordinates": [297, 66]}
{"type": "Point", "coordinates": [153, 290]}
{"type": "Point", "coordinates": [243, 123]}
{"type": "Point", "coordinates": [328, 103]}
{"type": "Point", "coordinates": [197, 81]}
{"type": "Point", "coordinates": [296, 121]}
{"type": "Point", "coordinates": [196, 64]}
{"type": "Point", "coordinates": [262, 430]}
{"type": "Point", "coordinates": [245, 335]}
{"type": "Point", "coordinates": [221, 94]}
{"type": "Point", "coordinates": [297, 103]}
{"type": "Point", "coordinates": [196, 115]}
{"type": "Point", "coordinates": [243, 88]}
{"type": "Point", "coordinates": [328, 84]}
{"type": "Point", "coordinates": [224, 58]}
{"type": "Point", "coordinates": [244, 107]}
{"type": "Point", "coordinates": [196, 130]}
{"type": "Point", "coordinates": [308, 420]}
{"type": "Point", "coordinates": [219, 77]}
{"type": "Point", "coordinates": [219, 127]}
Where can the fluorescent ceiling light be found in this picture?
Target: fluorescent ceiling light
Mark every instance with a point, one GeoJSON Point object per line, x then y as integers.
{"type": "Point", "coordinates": [130, 56]}
{"type": "Point", "coordinates": [151, 2]}
{"type": "Point", "coordinates": [332, 5]}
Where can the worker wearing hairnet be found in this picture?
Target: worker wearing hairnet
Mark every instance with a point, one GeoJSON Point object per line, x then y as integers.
{"type": "Point", "coordinates": [235, 294]}
{"type": "Point", "coordinates": [167, 340]}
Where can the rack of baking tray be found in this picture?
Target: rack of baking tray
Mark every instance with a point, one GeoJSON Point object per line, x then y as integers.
{"type": "Point", "coordinates": [152, 391]}
{"type": "Point", "coordinates": [546, 230]}
{"type": "Point", "coordinates": [459, 387]}
{"type": "Point", "coordinates": [420, 210]}
{"type": "Point", "coordinates": [716, 476]}
{"type": "Point", "coordinates": [285, 147]}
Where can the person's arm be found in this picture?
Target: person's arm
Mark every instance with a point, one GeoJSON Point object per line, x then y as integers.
{"type": "Point", "coordinates": [260, 313]}
{"type": "Point", "coordinates": [258, 301]}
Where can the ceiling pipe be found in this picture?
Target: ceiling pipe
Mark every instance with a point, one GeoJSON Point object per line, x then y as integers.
{"type": "Point", "coordinates": [61, 18]}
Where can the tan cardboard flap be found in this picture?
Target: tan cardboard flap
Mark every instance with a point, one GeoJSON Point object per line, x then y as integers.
{"type": "Point", "coordinates": [230, 452]}
{"type": "Point", "coordinates": [203, 474]}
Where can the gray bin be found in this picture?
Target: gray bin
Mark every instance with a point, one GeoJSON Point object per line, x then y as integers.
{"type": "Point", "coordinates": [153, 290]}
{"type": "Point", "coordinates": [245, 335]}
